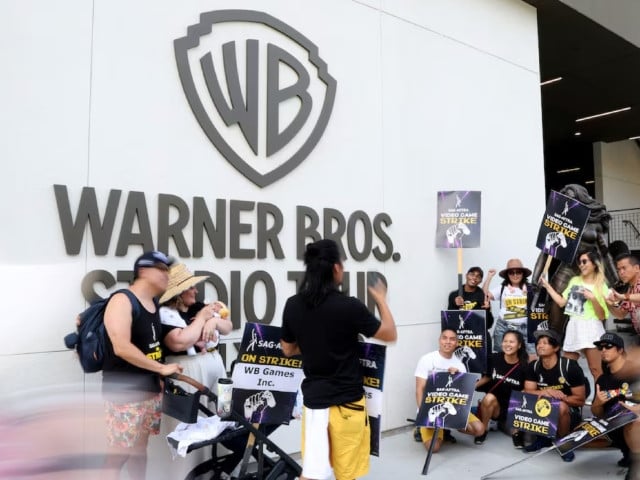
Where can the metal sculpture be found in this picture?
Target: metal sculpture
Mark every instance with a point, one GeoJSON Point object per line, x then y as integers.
{"type": "Point", "coordinates": [594, 237]}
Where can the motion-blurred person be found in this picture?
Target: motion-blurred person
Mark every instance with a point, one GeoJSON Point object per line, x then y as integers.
{"type": "Point", "coordinates": [133, 367]}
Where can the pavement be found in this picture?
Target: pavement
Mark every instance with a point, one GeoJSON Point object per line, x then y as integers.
{"type": "Point", "coordinates": [401, 458]}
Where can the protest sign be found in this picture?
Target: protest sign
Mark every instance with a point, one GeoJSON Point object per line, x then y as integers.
{"type": "Point", "coordinates": [562, 227]}
{"type": "Point", "coordinates": [472, 337]}
{"type": "Point", "coordinates": [593, 428]}
{"type": "Point", "coordinates": [537, 317]}
{"type": "Point", "coordinates": [530, 413]}
{"type": "Point", "coordinates": [458, 219]}
{"type": "Point", "coordinates": [372, 361]}
{"type": "Point", "coordinates": [447, 400]}
{"type": "Point", "coordinates": [265, 382]}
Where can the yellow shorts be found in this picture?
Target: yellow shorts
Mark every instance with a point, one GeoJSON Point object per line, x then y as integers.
{"type": "Point", "coordinates": [427, 433]}
{"type": "Point", "coordinates": [343, 432]}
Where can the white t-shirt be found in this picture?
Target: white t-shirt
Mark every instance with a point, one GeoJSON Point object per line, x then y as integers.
{"type": "Point", "coordinates": [433, 361]}
{"type": "Point", "coordinates": [513, 304]}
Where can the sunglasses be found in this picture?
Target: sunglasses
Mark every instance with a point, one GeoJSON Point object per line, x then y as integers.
{"type": "Point", "coordinates": [606, 346]}
{"type": "Point", "coordinates": [514, 271]}
{"type": "Point", "coordinates": [584, 261]}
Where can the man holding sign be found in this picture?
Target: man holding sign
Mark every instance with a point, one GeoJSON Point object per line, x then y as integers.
{"type": "Point", "coordinates": [322, 324]}
{"type": "Point", "coordinates": [610, 390]}
{"type": "Point", "coordinates": [559, 378]}
{"type": "Point", "coordinates": [442, 360]}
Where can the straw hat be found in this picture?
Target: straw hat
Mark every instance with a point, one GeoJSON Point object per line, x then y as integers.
{"type": "Point", "coordinates": [513, 264]}
{"type": "Point", "coordinates": [180, 279]}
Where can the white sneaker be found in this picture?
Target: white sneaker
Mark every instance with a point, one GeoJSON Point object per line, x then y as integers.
{"type": "Point", "coordinates": [493, 425]}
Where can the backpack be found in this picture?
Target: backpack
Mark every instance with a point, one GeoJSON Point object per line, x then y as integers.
{"type": "Point", "coordinates": [89, 340]}
{"type": "Point", "coordinates": [587, 386]}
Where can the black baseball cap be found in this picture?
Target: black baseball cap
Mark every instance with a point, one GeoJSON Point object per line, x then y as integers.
{"type": "Point", "coordinates": [611, 338]}
{"type": "Point", "coordinates": [151, 259]}
{"type": "Point", "coordinates": [548, 333]}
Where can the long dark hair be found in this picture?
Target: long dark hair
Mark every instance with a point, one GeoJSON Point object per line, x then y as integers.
{"type": "Point", "coordinates": [523, 356]}
{"type": "Point", "coordinates": [318, 282]}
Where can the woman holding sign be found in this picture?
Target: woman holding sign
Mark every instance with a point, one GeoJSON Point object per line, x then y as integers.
{"type": "Point", "coordinates": [584, 302]}
{"type": "Point", "coordinates": [505, 374]}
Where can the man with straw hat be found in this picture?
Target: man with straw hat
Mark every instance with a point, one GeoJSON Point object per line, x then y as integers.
{"type": "Point", "coordinates": [192, 328]}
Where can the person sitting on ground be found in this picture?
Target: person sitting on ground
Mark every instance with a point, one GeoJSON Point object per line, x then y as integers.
{"type": "Point", "coordinates": [442, 360]}
{"type": "Point", "coordinates": [555, 377]}
{"type": "Point", "coordinates": [506, 374]}
{"type": "Point", "coordinates": [472, 298]}
{"type": "Point", "coordinates": [610, 390]}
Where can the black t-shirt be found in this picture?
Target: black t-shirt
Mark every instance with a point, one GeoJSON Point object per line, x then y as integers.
{"type": "Point", "coordinates": [616, 387]}
{"type": "Point", "coordinates": [555, 379]}
{"type": "Point", "coordinates": [497, 370]}
{"type": "Point", "coordinates": [122, 381]}
{"type": "Point", "coordinates": [328, 339]}
{"type": "Point", "coordinates": [472, 301]}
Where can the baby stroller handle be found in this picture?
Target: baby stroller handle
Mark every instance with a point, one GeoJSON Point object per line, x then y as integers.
{"type": "Point", "coordinates": [194, 383]}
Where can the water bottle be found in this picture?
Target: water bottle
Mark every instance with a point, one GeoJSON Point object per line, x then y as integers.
{"type": "Point", "coordinates": [225, 392]}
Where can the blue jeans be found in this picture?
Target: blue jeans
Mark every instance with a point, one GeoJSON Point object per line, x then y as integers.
{"type": "Point", "coordinates": [501, 327]}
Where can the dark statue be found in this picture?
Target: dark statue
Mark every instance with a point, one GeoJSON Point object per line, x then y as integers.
{"type": "Point", "coordinates": [594, 237]}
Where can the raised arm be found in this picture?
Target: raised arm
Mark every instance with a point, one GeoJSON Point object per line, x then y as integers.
{"type": "Point", "coordinates": [387, 330]}
{"type": "Point", "coordinates": [559, 299]}
{"type": "Point", "coordinates": [486, 286]}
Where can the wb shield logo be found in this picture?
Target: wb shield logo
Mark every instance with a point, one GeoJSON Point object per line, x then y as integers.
{"type": "Point", "coordinates": [258, 89]}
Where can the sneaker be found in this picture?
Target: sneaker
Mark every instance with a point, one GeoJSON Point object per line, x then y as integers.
{"type": "Point", "coordinates": [518, 439]}
{"type": "Point", "coordinates": [480, 440]}
{"type": "Point", "coordinates": [538, 443]}
{"type": "Point", "coordinates": [493, 426]}
{"type": "Point", "coordinates": [568, 457]}
{"type": "Point", "coordinates": [448, 437]}
{"type": "Point", "coordinates": [416, 435]}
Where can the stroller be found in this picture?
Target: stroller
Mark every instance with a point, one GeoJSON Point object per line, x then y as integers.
{"type": "Point", "coordinates": [245, 442]}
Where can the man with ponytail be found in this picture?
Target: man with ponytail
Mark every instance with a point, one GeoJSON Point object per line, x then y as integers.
{"type": "Point", "coordinates": [322, 324]}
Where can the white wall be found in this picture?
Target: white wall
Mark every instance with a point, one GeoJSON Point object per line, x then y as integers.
{"type": "Point", "coordinates": [431, 96]}
{"type": "Point", "coordinates": [617, 167]}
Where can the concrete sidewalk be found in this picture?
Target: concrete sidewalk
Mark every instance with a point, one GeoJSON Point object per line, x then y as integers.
{"type": "Point", "coordinates": [402, 458]}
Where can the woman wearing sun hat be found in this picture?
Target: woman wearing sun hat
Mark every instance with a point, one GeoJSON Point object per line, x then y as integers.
{"type": "Point", "coordinates": [191, 329]}
{"type": "Point", "coordinates": [512, 296]}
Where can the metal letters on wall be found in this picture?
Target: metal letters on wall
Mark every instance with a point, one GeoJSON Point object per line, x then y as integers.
{"type": "Point", "coordinates": [217, 73]}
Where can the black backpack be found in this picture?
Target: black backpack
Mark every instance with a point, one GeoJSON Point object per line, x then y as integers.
{"type": "Point", "coordinates": [89, 340]}
{"type": "Point", "coordinates": [587, 386]}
